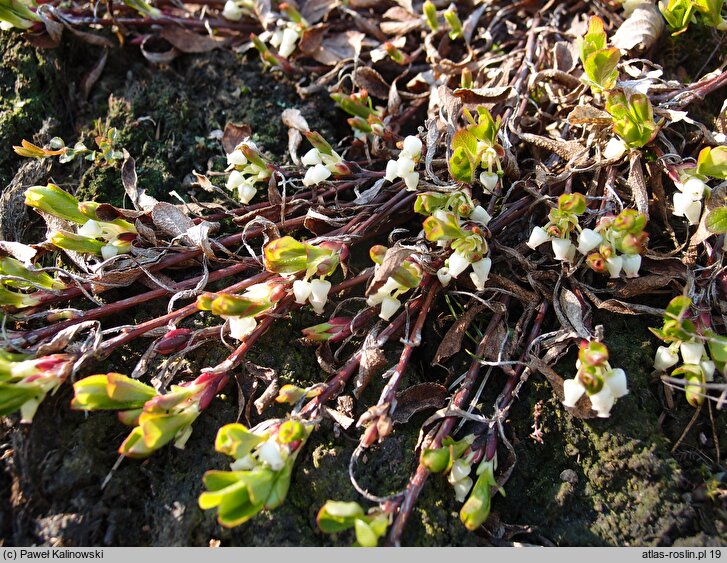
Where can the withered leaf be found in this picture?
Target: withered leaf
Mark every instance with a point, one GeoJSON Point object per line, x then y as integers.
{"type": "Point", "coordinates": [393, 258]}
{"type": "Point", "coordinates": [637, 183]}
{"type": "Point", "coordinates": [632, 287]}
{"type": "Point", "coordinates": [311, 39]}
{"type": "Point", "coordinates": [483, 95]}
{"type": "Point", "coordinates": [170, 219]}
{"type": "Point", "coordinates": [452, 341]}
{"type": "Point", "coordinates": [572, 309]}
{"type": "Point", "coordinates": [640, 30]}
{"type": "Point", "coordinates": [372, 81]}
{"type": "Point", "coordinates": [234, 134]}
{"type": "Point", "coordinates": [139, 199]}
{"type": "Point", "coordinates": [418, 398]}
{"type": "Point", "coordinates": [340, 47]}
{"type": "Point", "coordinates": [19, 251]}
{"type": "Point", "coordinates": [158, 51]}
{"type": "Point", "coordinates": [567, 150]}
{"type": "Point", "coordinates": [190, 42]}
{"type": "Point", "coordinates": [372, 360]}
{"type": "Point", "coordinates": [584, 114]}
{"type": "Point", "coordinates": [315, 10]}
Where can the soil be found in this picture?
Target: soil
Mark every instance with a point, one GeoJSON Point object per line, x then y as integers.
{"type": "Point", "coordinates": [600, 482]}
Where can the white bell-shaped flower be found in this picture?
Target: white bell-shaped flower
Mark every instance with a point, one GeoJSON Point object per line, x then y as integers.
{"type": "Point", "coordinates": [561, 248]}
{"type": "Point", "coordinates": [460, 470]}
{"type": "Point", "coordinates": [389, 306]}
{"type": "Point", "coordinates": [311, 158]}
{"type": "Point", "coordinates": [109, 251]}
{"type": "Point", "coordinates": [480, 215]}
{"type": "Point", "coordinates": [412, 146]}
{"type": "Point", "coordinates": [462, 488]}
{"type": "Point", "coordinates": [692, 352]}
{"type": "Point", "coordinates": [615, 148]}
{"type": "Point", "coordinates": [537, 237]}
{"type": "Point", "coordinates": [588, 240]}
{"type": "Point", "coordinates": [243, 464]}
{"type": "Point", "coordinates": [631, 264]}
{"type": "Point", "coordinates": [232, 11]}
{"type": "Point", "coordinates": [489, 181]}
{"type": "Point", "coordinates": [616, 381]}
{"type": "Point", "coordinates": [665, 358]}
{"type": "Point", "coordinates": [708, 368]}
{"type": "Point", "coordinates": [245, 192]}
{"type": "Point", "coordinates": [235, 179]}
{"type": "Point", "coordinates": [481, 272]}
{"type": "Point", "coordinates": [411, 180]}
{"type": "Point", "coordinates": [236, 158]}
{"type": "Point", "coordinates": [457, 263]}
{"type": "Point", "coordinates": [319, 294]}
{"type": "Point", "coordinates": [572, 392]}
{"type": "Point", "coordinates": [404, 166]}
{"type": "Point", "coordinates": [90, 229]}
{"type": "Point", "coordinates": [240, 327]}
{"type": "Point", "coordinates": [614, 265]}
{"type": "Point", "coordinates": [301, 290]}
{"type": "Point", "coordinates": [444, 276]}
{"type": "Point", "coordinates": [693, 188]}
{"type": "Point", "coordinates": [391, 171]}
{"type": "Point", "coordinates": [316, 175]}
{"type": "Point", "coordinates": [603, 401]}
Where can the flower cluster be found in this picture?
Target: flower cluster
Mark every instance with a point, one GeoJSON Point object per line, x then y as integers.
{"type": "Point", "coordinates": [24, 381]}
{"type": "Point", "coordinates": [683, 338]}
{"type": "Point", "coordinates": [260, 476]}
{"type": "Point", "coordinates": [322, 161]}
{"type": "Point", "coordinates": [459, 202]}
{"type": "Point", "coordinates": [93, 235]}
{"type": "Point", "coordinates": [475, 147]}
{"type": "Point", "coordinates": [246, 168]}
{"type": "Point", "coordinates": [618, 241]}
{"type": "Point", "coordinates": [403, 167]}
{"type": "Point", "coordinates": [335, 516]}
{"type": "Point", "coordinates": [602, 383]}
{"type": "Point", "coordinates": [467, 243]}
{"type": "Point", "coordinates": [156, 419]}
{"type": "Point", "coordinates": [405, 277]}
{"type": "Point", "coordinates": [454, 457]}
{"type": "Point", "coordinates": [563, 220]}
{"type": "Point", "coordinates": [290, 257]}
{"type": "Point", "coordinates": [711, 162]}
{"type": "Point", "coordinates": [240, 310]}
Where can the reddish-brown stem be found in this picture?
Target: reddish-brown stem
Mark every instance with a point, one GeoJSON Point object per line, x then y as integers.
{"type": "Point", "coordinates": [416, 483]}
{"type": "Point", "coordinates": [124, 304]}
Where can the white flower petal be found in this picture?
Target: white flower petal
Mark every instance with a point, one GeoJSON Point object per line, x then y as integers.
{"type": "Point", "coordinates": [236, 178]}
{"type": "Point", "coordinates": [411, 180]}
{"type": "Point", "coordinates": [480, 215]}
{"type": "Point", "coordinates": [572, 391]}
{"type": "Point", "coordinates": [389, 306]}
{"type": "Point", "coordinates": [270, 453]}
{"type": "Point", "coordinates": [391, 171]}
{"type": "Point", "coordinates": [692, 352]}
{"type": "Point", "coordinates": [457, 264]}
{"type": "Point", "coordinates": [232, 11]}
{"type": "Point", "coordinates": [614, 265]}
{"type": "Point", "coordinates": [489, 181]}
{"type": "Point", "coordinates": [616, 381]}
{"type": "Point", "coordinates": [615, 148]}
{"type": "Point", "coordinates": [240, 327]}
{"type": "Point", "coordinates": [404, 166]}
{"type": "Point", "coordinates": [412, 146]}
{"type": "Point", "coordinates": [444, 276]}
{"type": "Point", "coordinates": [301, 290]}
{"type": "Point", "coordinates": [245, 192]}
{"type": "Point", "coordinates": [602, 402]}
{"type": "Point", "coordinates": [561, 248]}
{"type": "Point", "coordinates": [316, 175]}
{"type": "Point", "coordinates": [664, 358]}
{"type": "Point", "coordinates": [537, 237]}
{"type": "Point", "coordinates": [631, 265]}
{"type": "Point", "coordinates": [588, 240]}
{"type": "Point", "coordinates": [287, 43]}
{"type": "Point", "coordinates": [236, 158]}
{"type": "Point", "coordinates": [311, 158]}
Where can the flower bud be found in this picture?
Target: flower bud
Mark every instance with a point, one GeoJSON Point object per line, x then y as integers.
{"type": "Point", "coordinates": [173, 341]}
{"type": "Point", "coordinates": [56, 202]}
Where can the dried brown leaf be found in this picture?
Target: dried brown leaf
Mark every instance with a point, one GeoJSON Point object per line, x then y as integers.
{"type": "Point", "coordinates": [190, 42]}
{"type": "Point", "coordinates": [393, 258]}
{"type": "Point", "coordinates": [640, 30]}
{"type": "Point", "coordinates": [452, 341]}
{"type": "Point", "coordinates": [340, 47]}
{"type": "Point", "coordinates": [311, 39]}
{"type": "Point", "coordinates": [372, 81]}
{"type": "Point", "coordinates": [315, 10]}
{"type": "Point", "coordinates": [418, 398]}
{"type": "Point", "coordinates": [637, 183]}
{"type": "Point", "coordinates": [234, 134]}
{"type": "Point", "coordinates": [483, 95]}
{"type": "Point", "coordinates": [584, 114]}
{"type": "Point", "coordinates": [583, 406]}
